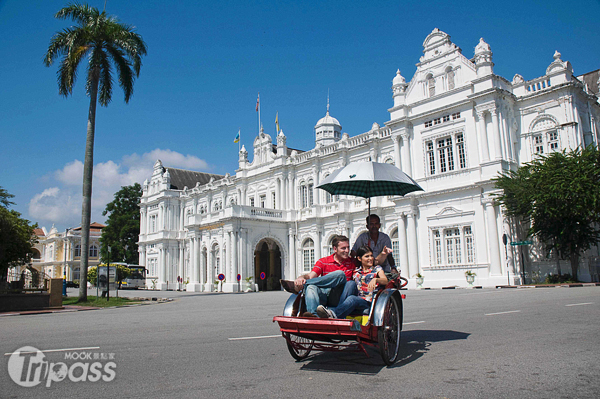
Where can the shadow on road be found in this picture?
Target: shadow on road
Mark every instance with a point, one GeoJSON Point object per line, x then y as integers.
{"type": "Point", "coordinates": [415, 343]}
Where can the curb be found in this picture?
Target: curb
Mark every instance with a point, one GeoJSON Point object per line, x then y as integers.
{"type": "Point", "coordinates": [75, 308]}
{"type": "Point", "coordinates": [573, 285]}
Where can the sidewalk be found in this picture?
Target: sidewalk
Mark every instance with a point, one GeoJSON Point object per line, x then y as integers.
{"type": "Point", "coordinates": [67, 308]}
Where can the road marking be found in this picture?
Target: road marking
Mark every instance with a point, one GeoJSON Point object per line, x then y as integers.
{"type": "Point", "coordinates": [579, 304]}
{"type": "Point", "coordinates": [259, 337]}
{"type": "Point", "coordinates": [413, 322]}
{"type": "Point", "coordinates": [58, 350]}
{"type": "Point", "coordinates": [510, 311]}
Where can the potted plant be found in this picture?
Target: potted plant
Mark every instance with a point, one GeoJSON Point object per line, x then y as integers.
{"type": "Point", "coordinates": [216, 283]}
{"type": "Point", "coordinates": [248, 284]}
{"type": "Point", "coordinates": [420, 279]}
{"type": "Point", "coordinates": [470, 277]}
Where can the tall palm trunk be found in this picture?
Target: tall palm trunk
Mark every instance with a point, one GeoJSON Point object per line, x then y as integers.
{"type": "Point", "coordinates": [88, 166]}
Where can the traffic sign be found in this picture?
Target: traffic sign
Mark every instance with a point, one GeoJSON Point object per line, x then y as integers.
{"type": "Point", "coordinates": [514, 243]}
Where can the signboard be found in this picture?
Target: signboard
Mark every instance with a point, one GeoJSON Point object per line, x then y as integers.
{"type": "Point", "coordinates": [103, 279]}
{"type": "Point", "coordinates": [515, 243]}
{"type": "Point", "coordinates": [263, 275]}
{"type": "Point", "coordinates": [239, 277]}
{"type": "Point", "coordinates": [221, 277]}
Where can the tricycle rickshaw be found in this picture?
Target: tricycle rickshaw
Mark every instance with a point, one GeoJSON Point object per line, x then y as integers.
{"type": "Point", "coordinates": [378, 326]}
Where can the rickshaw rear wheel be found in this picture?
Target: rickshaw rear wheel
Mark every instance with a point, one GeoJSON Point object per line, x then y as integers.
{"type": "Point", "coordinates": [299, 353]}
{"type": "Point", "coordinates": [388, 334]}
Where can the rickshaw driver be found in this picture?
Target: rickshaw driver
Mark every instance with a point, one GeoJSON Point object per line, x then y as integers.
{"type": "Point", "coordinates": [329, 282]}
{"type": "Point", "coordinates": [377, 241]}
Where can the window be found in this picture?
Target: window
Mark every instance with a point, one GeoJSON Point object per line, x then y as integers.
{"type": "Point", "coordinates": [445, 155]}
{"type": "Point", "coordinates": [93, 251]}
{"type": "Point", "coordinates": [78, 250]}
{"type": "Point", "coordinates": [310, 193]}
{"type": "Point", "coordinates": [456, 247]}
{"type": "Point", "coordinates": [252, 201]}
{"type": "Point", "coordinates": [431, 158]}
{"type": "Point", "coordinates": [431, 85]}
{"type": "Point", "coordinates": [553, 141]}
{"type": "Point", "coordinates": [308, 255]}
{"type": "Point", "coordinates": [450, 78]}
{"type": "Point", "coordinates": [455, 115]}
{"type": "Point", "coordinates": [470, 250]}
{"type": "Point", "coordinates": [538, 144]}
{"type": "Point", "coordinates": [437, 121]}
{"type": "Point", "coordinates": [303, 195]}
{"type": "Point", "coordinates": [437, 245]}
{"type": "Point", "coordinates": [152, 223]}
{"type": "Point", "coordinates": [396, 248]}
{"type": "Point", "coordinates": [263, 201]}
{"type": "Point", "coordinates": [428, 123]}
{"type": "Point", "coordinates": [446, 118]}
{"type": "Point", "coordinates": [460, 147]}
{"type": "Point", "coordinates": [443, 161]}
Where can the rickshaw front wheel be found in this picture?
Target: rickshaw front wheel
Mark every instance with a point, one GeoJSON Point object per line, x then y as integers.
{"type": "Point", "coordinates": [388, 334]}
{"type": "Point", "coordinates": [299, 347]}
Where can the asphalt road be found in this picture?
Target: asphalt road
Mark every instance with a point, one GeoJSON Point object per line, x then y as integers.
{"type": "Point", "coordinates": [509, 343]}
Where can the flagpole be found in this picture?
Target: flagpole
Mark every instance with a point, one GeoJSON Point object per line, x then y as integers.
{"type": "Point", "coordinates": [239, 140]}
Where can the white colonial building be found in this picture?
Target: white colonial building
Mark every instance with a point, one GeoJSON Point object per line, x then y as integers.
{"type": "Point", "coordinates": [453, 127]}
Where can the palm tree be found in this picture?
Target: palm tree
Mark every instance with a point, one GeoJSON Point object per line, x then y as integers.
{"type": "Point", "coordinates": [107, 44]}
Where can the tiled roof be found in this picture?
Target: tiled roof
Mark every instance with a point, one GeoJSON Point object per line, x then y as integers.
{"type": "Point", "coordinates": [591, 78]}
{"type": "Point", "coordinates": [181, 178]}
{"type": "Point", "coordinates": [39, 232]}
{"type": "Point", "coordinates": [93, 226]}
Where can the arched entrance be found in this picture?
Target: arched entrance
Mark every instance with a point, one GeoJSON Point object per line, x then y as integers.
{"type": "Point", "coordinates": [267, 260]}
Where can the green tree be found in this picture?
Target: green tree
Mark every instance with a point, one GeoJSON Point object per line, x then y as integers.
{"type": "Point", "coordinates": [122, 229]}
{"type": "Point", "coordinates": [107, 45]}
{"type": "Point", "coordinates": [16, 237]}
{"type": "Point", "coordinates": [558, 198]}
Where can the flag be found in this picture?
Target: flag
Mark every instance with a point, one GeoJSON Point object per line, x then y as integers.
{"type": "Point", "coordinates": [257, 101]}
{"type": "Point", "coordinates": [237, 138]}
{"type": "Point", "coordinates": [277, 122]}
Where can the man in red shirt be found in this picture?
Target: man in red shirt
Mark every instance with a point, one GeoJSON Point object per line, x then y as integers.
{"type": "Point", "coordinates": [330, 280]}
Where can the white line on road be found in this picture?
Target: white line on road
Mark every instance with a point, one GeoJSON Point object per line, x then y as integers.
{"type": "Point", "coordinates": [579, 304]}
{"type": "Point", "coordinates": [413, 322]}
{"type": "Point", "coordinates": [510, 311]}
{"type": "Point", "coordinates": [260, 337]}
{"type": "Point", "coordinates": [58, 350]}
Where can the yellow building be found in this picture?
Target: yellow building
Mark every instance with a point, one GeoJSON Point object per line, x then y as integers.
{"type": "Point", "coordinates": [57, 251]}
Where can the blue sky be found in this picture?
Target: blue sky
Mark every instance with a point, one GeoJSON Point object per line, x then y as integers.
{"type": "Point", "coordinates": [206, 62]}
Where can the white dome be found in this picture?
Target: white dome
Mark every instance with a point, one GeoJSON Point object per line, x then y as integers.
{"type": "Point", "coordinates": [398, 79]}
{"type": "Point", "coordinates": [327, 120]}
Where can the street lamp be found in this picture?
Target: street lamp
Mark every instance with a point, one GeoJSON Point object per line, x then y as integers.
{"type": "Point", "coordinates": [64, 290]}
{"type": "Point", "coordinates": [505, 242]}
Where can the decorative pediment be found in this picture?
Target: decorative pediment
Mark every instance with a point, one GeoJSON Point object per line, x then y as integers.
{"type": "Point", "coordinates": [450, 212]}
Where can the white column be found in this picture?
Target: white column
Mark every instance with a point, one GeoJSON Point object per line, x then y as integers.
{"type": "Point", "coordinates": [227, 263]}
{"type": "Point", "coordinates": [496, 132]}
{"type": "Point", "coordinates": [493, 239]}
{"type": "Point", "coordinates": [406, 167]}
{"type": "Point", "coordinates": [396, 141]}
{"type": "Point", "coordinates": [485, 151]}
{"type": "Point", "coordinates": [413, 258]}
{"type": "Point", "coordinates": [292, 257]}
{"type": "Point", "coordinates": [318, 245]}
{"type": "Point", "coordinates": [403, 247]}
{"type": "Point", "coordinates": [283, 204]}
{"type": "Point", "coordinates": [234, 256]}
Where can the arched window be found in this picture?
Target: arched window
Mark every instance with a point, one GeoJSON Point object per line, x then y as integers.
{"type": "Point", "coordinates": [308, 255]}
{"type": "Point", "coordinates": [431, 85]}
{"type": "Point", "coordinates": [395, 247]}
{"type": "Point", "coordinates": [303, 195]}
{"type": "Point", "coordinates": [93, 251]}
{"type": "Point", "coordinates": [78, 250]}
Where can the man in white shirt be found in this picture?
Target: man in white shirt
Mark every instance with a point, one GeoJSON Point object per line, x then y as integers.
{"type": "Point", "coordinates": [377, 241]}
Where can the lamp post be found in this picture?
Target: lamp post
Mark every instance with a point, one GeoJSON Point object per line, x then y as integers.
{"type": "Point", "coordinates": [505, 242]}
{"type": "Point", "coordinates": [64, 287]}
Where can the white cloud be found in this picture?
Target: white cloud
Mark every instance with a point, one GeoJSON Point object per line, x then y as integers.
{"type": "Point", "coordinates": [169, 158]}
{"type": "Point", "coordinates": [61, 204]}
